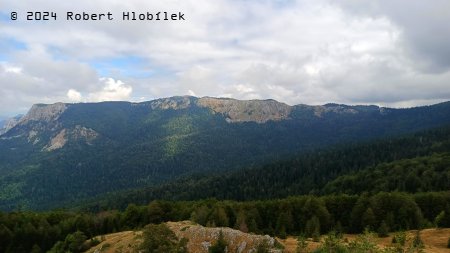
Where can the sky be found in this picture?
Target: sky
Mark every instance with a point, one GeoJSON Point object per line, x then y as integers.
{"type": "Point", "coordinates": [385, 52]}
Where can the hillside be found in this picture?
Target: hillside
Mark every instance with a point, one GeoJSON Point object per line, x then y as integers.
{"type": "Point", "coordinates": [62, 153]}
{"type": "Point", "coordinates": [382, 165]}
{"type": "Point", "coordinates": [23, 232]}
{"type": "Point", "coordinates": [199, 239]}
{"type": "Point", "coordinates": [434, 240]}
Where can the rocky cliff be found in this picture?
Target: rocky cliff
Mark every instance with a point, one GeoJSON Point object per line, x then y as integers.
{"type": "Point", "coordinates": [259, 111]}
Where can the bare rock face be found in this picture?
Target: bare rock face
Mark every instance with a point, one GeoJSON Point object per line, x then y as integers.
{"type": "Point", "coordinates": [40, 112]}
{"type": "Point", "coordinates": [259, 111]}
{"type": "Point", "coordinates": [79, 133]}
{"type": "Point", "coordinates": [201, 238]}
{"type": "Point", "coordinates": [333, 108]}
{"type": "Point", "coordinates": [10, 123]}
{"type": "Point", "coordinates": [175, 103]}
{"type": "Point", "coordinates": [58, 141]}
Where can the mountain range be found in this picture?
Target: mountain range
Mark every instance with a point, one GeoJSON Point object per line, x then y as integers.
{"type": "Point", "coordinates": [60, 153]}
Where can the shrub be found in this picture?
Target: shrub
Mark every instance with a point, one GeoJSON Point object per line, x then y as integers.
{"type": "Point", "coordinates": [160, 239]}
{"type": "Point", "coordinates": [383, 230]}
{"type": "Point", "coordinates": [263, 247]}
{"type": "Point", "coordinates": [219, 246]}
{"type": "Point", "coordinates": [302, 245]}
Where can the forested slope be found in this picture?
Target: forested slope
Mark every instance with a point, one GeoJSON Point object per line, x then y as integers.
{"type": "Point", "coordinates": [422, 157]}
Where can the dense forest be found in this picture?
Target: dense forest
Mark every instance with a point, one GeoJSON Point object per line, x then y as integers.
{"type": "Point", "coordinates": [421, 158]}
{"type": "Point", "coordinates": [395, 183]}
{"type": "Point", "coordinates": [59, 231]}
{"type": "Point", "coordinates": [64, 153]}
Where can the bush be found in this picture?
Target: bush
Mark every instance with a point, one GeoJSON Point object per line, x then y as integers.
{"type": "Point", "coordinates": [302, 245]}
{"type": "Point", "coordinates": [219, 246]}
{"type": "Point", "coordinates": [417, 241]}
{"type": "Point", "coordinates": [399, 238]}
{"type": "Point", "coordinates": [160, 239]}
{"type": "Point", "coordinates": [383, 230]}
{"type": "Point", "coordinates": [73, 243]}
{"type": "Point", "coordinates": [263, 247]}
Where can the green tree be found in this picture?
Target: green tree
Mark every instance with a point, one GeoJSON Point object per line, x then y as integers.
{"type": "Point", "coordinates": [5, 237]}
{"type": "Point", "coordinates": [241, 223]}
{"type": "Point", "coordinates": [75, 241]}
{"type": "Point", "coordinates": [200, 215]}
{"type": "Point", "coordinates": [439, 220]}
{"type": "Point", "coordinates": [383, 230]}
{"type": "Point", "coordinates": [313, 228]}
{"type": "Point", "coordinates": [36, 249]}
{"type": "Point", "coordinates": [155, 212]}
{"type": "Point", "coordinates": [219, 246]}
{"type": "Point", "coordinates": [219, 217]}
{"type": "Point", "coordinates": [131, 217]}
{"type": "Point", "coordinates": [284, 224]}
{"type": "Point", "coordinates": [160, 239]}
{"type": "Point", "coordinates": [368, 219]}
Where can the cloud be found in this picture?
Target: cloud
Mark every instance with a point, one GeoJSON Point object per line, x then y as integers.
{"type": "Point", "coordinates": [298, 51]}
{"type": "Point", "coordinates": [111, 91]}
{"type": "Point", "coordinates": [424, 27]}
{"type": "Point", "coordinates": [37, 77]}
{"type": "Point", "coordinates": [74, 95]}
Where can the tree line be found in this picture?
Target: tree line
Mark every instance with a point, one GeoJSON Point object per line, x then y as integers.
{"type": "Point", "coordinates": [307, 215]}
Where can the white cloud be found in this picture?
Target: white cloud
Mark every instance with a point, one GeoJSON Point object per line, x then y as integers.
{"type": "Point", "coordinates": [295, 51]}
{"type": "Point", "coordinates": [74, 95]}
{"type": "Point", "coordinates": [111, 91]}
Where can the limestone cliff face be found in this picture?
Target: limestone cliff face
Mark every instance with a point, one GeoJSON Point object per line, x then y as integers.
{"type": "Point", "coordinates": [174, 103]}
{"type": "Point", "coordinates": [333, 108]}
{"type": "Point", "coordinates": [233, 110]}
{"type": "Point", "coordinates": [259, 111]}
{"type": "Point", "coordinates": [79, 133]}
{"type": "Point", "coordinates": [41, 112]}
{"type": "Point", "coordinates": [10, 123]}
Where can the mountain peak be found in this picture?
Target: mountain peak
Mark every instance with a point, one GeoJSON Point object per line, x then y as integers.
{"type": "Point", "coordinates": [44, 112]}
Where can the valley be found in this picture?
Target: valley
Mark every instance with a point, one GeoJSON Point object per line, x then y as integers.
{"type": "Point", "coordinates": [93, 175]}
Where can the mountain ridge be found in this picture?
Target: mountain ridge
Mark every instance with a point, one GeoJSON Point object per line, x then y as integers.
{"type": "Point", "coordinates": [64, 152]}
{"type": "Point", "coordinates": [235, 110]}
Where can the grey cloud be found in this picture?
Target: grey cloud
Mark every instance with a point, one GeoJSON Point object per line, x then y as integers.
{"type": "Point", "coordinates": [384, 52]}
{"type": "Point", "coordinates": [424, 25]}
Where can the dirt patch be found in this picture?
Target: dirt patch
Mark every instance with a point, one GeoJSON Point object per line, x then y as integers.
{"type": "Point", "coordinates": [435, 241]}
{"type": "Point", "coordinates": [122, 242]}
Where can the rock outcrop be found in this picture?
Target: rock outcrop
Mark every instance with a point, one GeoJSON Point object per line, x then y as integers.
{"type": "Point", "coordinates": [201, 238]}
{"type": "Point", "coordinates": [174, 103]}
{"type": "Point", "coordinates": [10, 123]}
{"type": "Point", "coordinates": [79, 133]}
{"type": "Point", "coordinates": [41, 112]}
{"type": "Point", "coordinates": [259, 111]}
